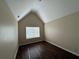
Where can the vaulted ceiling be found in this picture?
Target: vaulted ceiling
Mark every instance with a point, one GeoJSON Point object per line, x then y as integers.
{"type": "Point", "coordinates": [47, 10]}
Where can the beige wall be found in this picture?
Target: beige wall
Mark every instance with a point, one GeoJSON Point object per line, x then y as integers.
{"type": "Point", "coordinates": [64, 32]}
{"type": "Point", "coordinates": [30, 20]}
{"type": "Point", "coordinates": [8, 33]}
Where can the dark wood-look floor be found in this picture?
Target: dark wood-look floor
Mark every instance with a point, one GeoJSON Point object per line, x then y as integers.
{"type": "Point", "coordinates": [43, 50]}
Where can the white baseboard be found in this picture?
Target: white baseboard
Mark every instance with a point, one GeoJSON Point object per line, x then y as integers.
{"type": "Point", "coordinates": [30, 42]}
{"type": "Point", "coordinates": [63, 48]}
{"type": "Point", "coordinates": [15, 53]}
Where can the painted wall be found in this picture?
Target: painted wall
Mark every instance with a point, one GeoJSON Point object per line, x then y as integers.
{"type": "Point", "coordinates": [64, 32]}
{"type": "Point", "coordinates": [8, 33]}
{"type": "Point", "coordinates": [30, 20]}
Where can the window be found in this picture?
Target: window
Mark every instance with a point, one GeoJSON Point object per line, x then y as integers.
{"type": "Point", "coordinates": [32, 32]}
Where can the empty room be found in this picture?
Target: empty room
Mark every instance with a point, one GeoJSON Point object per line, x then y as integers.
{"type": "Point", "coordinates": [39, 29]}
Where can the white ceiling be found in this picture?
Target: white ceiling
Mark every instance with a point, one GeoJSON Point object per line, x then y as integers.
{"type": "Point", "coordinates": [48, 10]}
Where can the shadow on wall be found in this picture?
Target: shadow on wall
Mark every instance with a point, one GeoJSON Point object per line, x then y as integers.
{"type": "Point", "coordinates": [30, 20]}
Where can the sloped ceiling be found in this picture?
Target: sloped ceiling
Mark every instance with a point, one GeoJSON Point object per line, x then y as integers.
{"type": "Point", "coordinates": [48, 10]}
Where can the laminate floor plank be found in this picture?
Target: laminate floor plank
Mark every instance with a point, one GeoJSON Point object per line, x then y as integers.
{"type": "Point", "coordinates": [43, 50]}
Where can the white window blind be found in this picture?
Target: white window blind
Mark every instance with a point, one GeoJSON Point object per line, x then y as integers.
{"type": "Point", "coordinates": [32, 32]}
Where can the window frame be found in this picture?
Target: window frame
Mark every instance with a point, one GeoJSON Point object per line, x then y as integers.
{"type": "Point", "coordinates": [35, 36]}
